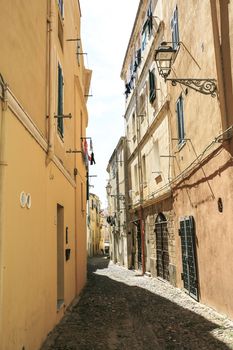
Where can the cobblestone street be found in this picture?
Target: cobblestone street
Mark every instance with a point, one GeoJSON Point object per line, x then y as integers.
{"type": "Point", "coordinates": [119, 309]}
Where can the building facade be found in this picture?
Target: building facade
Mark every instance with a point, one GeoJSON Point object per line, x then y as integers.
{"type": "Point", "coordinates": [178, 126]}
{"type": "Point", "coordinates": [148, 141]}
{"type": "Point", "coordinates": [94, 225]}
{"type": "Point", "coordinates": [43, 118]}
{"type": "Point", "coordinates": [117, 202]}
{"type": "Point", "coordinates": [104, 232]}
{"type": "Point", "coordinates": [201, 139]}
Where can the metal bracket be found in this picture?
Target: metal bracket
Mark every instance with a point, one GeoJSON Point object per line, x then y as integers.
{"type": "Point", "coordinates": [63, 116]}
{"type": "Point", "coordinates": [73, 151]}
{"type": "Point", "coordinates": [204, 86]}
{"type": "Point", "coordinates": [78, 39]}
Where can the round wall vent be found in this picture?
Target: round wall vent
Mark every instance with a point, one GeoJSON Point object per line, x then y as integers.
{"type": "Point", "coordinates": [23, 199]}
{"type": "Point", "coordinates": [29, 201]}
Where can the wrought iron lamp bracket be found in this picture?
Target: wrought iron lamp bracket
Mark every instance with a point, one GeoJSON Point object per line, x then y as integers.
{"type": "Point", "coordinates": [204, 86]}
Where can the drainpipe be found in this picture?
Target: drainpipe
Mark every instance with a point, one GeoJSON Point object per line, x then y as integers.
{"type": "Point", "coordinates": [51, 20]}
{"type": "Point", "coordinates": [140, 180]}
{"type": "Point", "coordinates": [118, 210]}
{"type": "Point", "coordinates": [218, 60]}
{"type": "Point", "coordinates": [3, 165]}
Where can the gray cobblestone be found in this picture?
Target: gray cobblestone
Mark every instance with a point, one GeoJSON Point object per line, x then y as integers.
{"type": "Point", "coordinates": [119, 309]}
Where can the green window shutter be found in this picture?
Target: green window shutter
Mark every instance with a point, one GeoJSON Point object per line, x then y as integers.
{"type": "Point", "coordinates": [180, 119]}
{"type": "Point", "coordinates": [60, 125]}
{"type": "Point", "coordinates": [152, 94]}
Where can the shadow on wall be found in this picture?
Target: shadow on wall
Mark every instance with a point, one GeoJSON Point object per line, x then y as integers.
{"type": "Point", "coordinates": [112, 315]}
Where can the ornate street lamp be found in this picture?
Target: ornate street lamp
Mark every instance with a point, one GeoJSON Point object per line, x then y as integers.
{"type": "Point", "coordinates": [164, 58]}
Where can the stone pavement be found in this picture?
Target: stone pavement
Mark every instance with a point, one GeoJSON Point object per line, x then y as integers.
{"type": "Point", "coordinates": [119, 309]}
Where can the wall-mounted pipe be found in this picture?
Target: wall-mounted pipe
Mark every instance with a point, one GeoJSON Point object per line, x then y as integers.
{"type": "Point", "coordinates": [3, 164]}
{"type": "Point", "coordinates": [218, 60]}
{"type": "Point", "coordinates": [51, 25]}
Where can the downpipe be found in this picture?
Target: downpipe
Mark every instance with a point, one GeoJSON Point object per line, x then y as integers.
{"type": "Point", "coordinates": [50, 152]}
{"type": "Point", "coordinates": [3, 164]}
{"type": "Point", "coordinates": [142, 226]}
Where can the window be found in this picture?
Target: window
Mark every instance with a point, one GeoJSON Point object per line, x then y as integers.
{"type": "Point", "coordinates": [180, 119]}
{"type": "Point", "coordinates": [144, 37]}
{"type": "Point", "coordinates": [152, 94]}
{"type": "Point", "coordinates": [150, 19]}
{"type": "Point", "coordinates": [142, 105]}
{"type": "Point", "coordinates": [61, 8]}
{"type": "Point", "coordinates": [147, 27]}
{"type": "Point", "coordinates": [136, 177]}
{"type": "Point", "coordinates": [60, 126]}
{"type": "Point", "coordinates": [144, 169]}
{"type": "Point", "coordinates": [139, 56]}
{"type": "Point", "coordinates": [156, 158]}
{"type": "Point", "coordinates": [134, 126]}
{"type": "Point", "coordinates": [175, 29]}
{"type": "Point", "coordinates": [60, 22]}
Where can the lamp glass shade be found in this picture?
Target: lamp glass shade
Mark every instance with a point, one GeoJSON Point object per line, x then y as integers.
{"type": "Point", "coordinates": [164, 57]}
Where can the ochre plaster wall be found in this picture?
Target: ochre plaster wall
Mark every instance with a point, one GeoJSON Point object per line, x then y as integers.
{"type": "Point", "coordinates": [29, 262]}
{"type": "Point", "coordinates": [198, 197]}
{"type": "Point", "coordinates": [30, 270]}
{"type": "Point", "coordinates": [23, 54]}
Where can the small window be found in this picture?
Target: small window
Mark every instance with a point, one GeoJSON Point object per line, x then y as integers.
{"type": "Point", "coordinates": [175, 29]}
{"type": "Point", "coordinates": [136, 177]}
{"type": "Point", "coordinates": [134, 124]}
{"type": "Point", "coordinates": [156, 158]}
{"type": "Point", "coordinates": [152, 95]}
{"type": "Point", "coordinates": [180, 119]}
{"type": "Point", "coordinates": [150, 19]}
{"type": "Point", "coordinates": [60, 126]}
{"type": "Point", "coordinates": [144, 169]}
{"type": "Point", "coordinates": [139, 56]}
{"type": "Point", "coordinates": [144, 37]}
{"type": "Point", "coordinates": [61, 7]}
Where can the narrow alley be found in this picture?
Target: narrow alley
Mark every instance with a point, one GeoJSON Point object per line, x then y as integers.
{"type": "Point", "coordinates": [120, 309]}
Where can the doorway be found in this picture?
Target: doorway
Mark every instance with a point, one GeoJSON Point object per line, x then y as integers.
{"type": "Point", "coordinates": [189, 261]}
{"type": "Point", "coordinates": [60, 256]}
{"type": "Point", "coordinates": [162, 253]}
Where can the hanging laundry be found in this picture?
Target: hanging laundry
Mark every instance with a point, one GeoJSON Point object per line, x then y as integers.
{"type": "Point", "coordinates": [85, 151]}
{"type": "Point", "coordinates": [92, 159]}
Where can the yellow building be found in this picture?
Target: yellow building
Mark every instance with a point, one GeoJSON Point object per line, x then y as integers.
{"type": "Point", "coordinates": [94, 225]}
{"type": "Point", "coordinates": [201, 122]}
{"type": "Point", "coordinates": [118, 204]}
{"type": "Point", "coordinates": [178, 74]}
{"type": "Point", "coordinates": [43, 114]}
{"type": "Point", "coordinates": [148, 146]}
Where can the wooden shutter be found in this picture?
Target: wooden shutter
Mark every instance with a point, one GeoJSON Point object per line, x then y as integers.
{"type": "Point", "coordinates": [152, 93]}
{"type": "Point", "coordinates": [180, 119]}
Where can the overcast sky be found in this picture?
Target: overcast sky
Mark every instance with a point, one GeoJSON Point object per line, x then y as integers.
{"type": "Point", "coordinates": [105, 30]}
